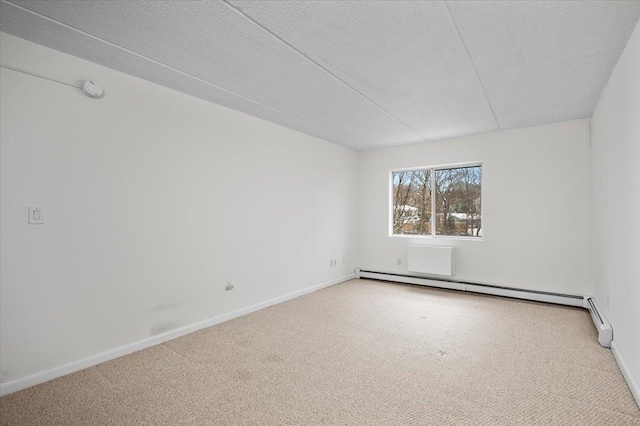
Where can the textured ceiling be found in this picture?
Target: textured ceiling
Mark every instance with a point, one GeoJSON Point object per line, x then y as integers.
{"type": "Point", "coordinates": [360, 74]}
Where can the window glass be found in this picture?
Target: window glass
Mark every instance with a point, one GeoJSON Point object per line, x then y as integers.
{"type": "Point", "coordinates": [458, 203]}
{"type": "Point", "coordinates": [455, 211]}
{"type": "Point", "coordinates": [412, 202]}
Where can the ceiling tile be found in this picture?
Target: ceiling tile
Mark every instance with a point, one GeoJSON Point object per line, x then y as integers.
{"type": "Point", "coordinates": [542, 62]}
{"type": "Point", "coordinates": [406, 57]}
{"type": "Point", "coordinates": [213, 42]}
{"type": "Point", "coordinates": [51, 34]}
{"type": "Point", "coordinates": [359, 74]}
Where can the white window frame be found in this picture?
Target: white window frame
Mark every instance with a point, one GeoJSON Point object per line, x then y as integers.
{"type": "Point", "coordinates": [433, 202]}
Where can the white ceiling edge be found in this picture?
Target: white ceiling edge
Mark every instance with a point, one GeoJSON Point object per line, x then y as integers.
{"type": "Point", "coordinates": [604, 86]}
{"type": "Point", "coordinates": [556, 56]}
{"type": "Point", "coordinates": [40, 29]}
{"type": "Point", "coordinates": [473, 135]}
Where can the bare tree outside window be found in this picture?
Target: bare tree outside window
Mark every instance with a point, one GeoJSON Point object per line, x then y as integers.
{"type": "Point", "coordinates": [457, 202]}
{"type": "Point", "coordinates": [412, 202]}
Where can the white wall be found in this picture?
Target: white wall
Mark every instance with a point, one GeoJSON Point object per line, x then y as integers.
{"type": "Point", "coordinates": [535, 201]}
{"type": "Point", "coordinates": [615, 163]}
{"type": "Point", "coordinates": [152, 200]}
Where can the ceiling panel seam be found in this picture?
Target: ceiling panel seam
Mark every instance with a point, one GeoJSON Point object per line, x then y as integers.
{"type": "Point", "coordinates": [313, 61]}
{"type": "Point", "coordinates": [473, 65]}
{"type": "Point", "coordinates": [348, 141]}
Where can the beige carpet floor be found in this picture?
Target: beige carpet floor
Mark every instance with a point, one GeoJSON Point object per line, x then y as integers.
{"type": "Point", "coordinates": [359, 353]}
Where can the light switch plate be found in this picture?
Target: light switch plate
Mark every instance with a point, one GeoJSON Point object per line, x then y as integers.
{"type": "Point", "coordinates": [36, 215]}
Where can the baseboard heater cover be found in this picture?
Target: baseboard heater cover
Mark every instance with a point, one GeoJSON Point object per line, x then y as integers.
{"type": "Point", "coordinates": [517, 293]}
{"type": "Point", "coordinates": [431, 260]}
{"type": "Point", "coordinates": [605, 332]}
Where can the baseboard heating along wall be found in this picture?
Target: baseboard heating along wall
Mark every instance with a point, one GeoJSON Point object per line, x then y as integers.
{"type": "Point", "coordinates": [451, 284]}
{"type": "Point", "coordinates": [605, 332]}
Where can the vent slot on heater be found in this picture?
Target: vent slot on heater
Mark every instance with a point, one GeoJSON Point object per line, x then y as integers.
{"type": "Point", "coordinates": [605, 332]}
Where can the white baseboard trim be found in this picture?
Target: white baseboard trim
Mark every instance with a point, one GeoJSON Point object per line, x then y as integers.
{"type": "Point", "coordinates": [633, 386]}
{"type": "Point", "coordinates": [538, 296]}
{"type": "Point", "coordinates": [72, 367]}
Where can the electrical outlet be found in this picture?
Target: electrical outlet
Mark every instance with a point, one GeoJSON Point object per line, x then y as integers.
{"type": "Point", "coordinates": [399, 262]}
{"type": "Point", "coordinates": [344, 261]}
{"type": "Point", "coordinates": [229, 286]}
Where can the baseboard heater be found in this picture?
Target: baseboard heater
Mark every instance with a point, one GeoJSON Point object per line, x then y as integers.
{"type": "Point", "coordinates": [605, 332]}
{"type": "Point", "coordinates": [451, 284]}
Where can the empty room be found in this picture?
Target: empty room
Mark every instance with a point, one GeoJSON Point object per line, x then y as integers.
{"type": "Point", "coordinates": [319, 212]}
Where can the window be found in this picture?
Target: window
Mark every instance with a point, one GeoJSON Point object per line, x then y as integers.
{"type": "Point", "coordinates": [437, 201]}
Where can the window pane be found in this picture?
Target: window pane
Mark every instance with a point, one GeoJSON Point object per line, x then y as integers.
{"type": "Point", "coordinates": [458, 201]}
{"type": "Point", "coordinates": [412, 202]}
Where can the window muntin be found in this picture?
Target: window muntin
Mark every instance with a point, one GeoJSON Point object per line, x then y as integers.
{"type": "Point", "coordinates": [457, 202]}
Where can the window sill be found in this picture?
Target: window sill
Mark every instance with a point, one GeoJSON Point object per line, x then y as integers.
{"type": "Point", "coordinates": [438, 237]}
